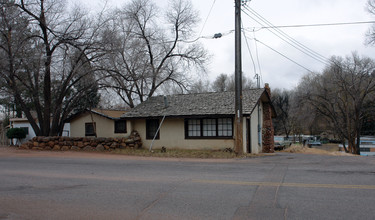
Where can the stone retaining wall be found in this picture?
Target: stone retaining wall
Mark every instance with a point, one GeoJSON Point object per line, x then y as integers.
{"type": "Point", "coordinates": [83, 143]}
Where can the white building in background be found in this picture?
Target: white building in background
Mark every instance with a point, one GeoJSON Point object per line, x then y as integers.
{"type": "Point", "coordinates": [30, 133]}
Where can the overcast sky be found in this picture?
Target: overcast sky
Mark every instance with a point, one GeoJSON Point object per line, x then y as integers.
{"type": "Point", "coordinates": [278, 71]}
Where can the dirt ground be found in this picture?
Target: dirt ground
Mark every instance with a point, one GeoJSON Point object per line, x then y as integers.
{"type": "Point", "coordinates": [10, 150]}
{"type": "Point", "coordinates": [325, 149]}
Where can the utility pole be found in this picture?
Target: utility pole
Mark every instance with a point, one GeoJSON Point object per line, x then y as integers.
{"type": "Point", "coordinates": [238, 80]}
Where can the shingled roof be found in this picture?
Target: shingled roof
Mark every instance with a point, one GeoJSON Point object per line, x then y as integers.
{"type": "Point", "coordinates": [199, 104]}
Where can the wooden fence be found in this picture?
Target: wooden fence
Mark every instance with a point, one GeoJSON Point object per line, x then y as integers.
{"type": "Point", "coordinates": [3, 138]}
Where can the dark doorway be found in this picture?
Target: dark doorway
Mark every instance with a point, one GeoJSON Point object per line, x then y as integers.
{"type": "Point", "coordinates": [248, 135]}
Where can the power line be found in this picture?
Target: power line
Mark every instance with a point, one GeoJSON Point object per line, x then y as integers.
{"type": "Point", "coordinates": [288, 39]}
{"type": "Point", "coordinates": [256, 51]}
{"type": "Point", "coordinates": [281, 54]}
{"type": "Point", "coordinates": [285, 37]}
{"type": "Point", "coordinates": [313, 25]}
{"type": "Point", "coordinates": [248, 48]}
{"type": "Point", "coordinates": [209, 13]}
{"type": "Point", "coordinates": [255, 29]}
{"type": "Point", "coordinates": [209, 37]}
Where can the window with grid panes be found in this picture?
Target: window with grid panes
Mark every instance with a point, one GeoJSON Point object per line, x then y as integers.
{"type": "Point", "coordinates": [224, 127]}
{"type": "Point", "coordinates": [194, 128]}
{"type": "Point", "coordinates": [209, 127]}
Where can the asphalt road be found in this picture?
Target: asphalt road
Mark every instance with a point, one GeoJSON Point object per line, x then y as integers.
{"type": "Point", "coordinates": [38, 185]}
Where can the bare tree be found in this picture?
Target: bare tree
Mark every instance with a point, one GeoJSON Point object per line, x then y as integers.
{"type": "Point", "coordinates": [342, 93]}
{"type": "Point", "coordinates": [225, 82]}
{"type": "Point", "coordinates": [247, 83]}
{"type": "Point", "coordinates": [200, 86]}
{"type": "Point", "coordinates": [281, 100]}
{"type": "Point", "coordinates": [14, 45]}
{"type": "Point", "coordinates": [146, 50]}
{"type": "Point", "coordinates": [370, 36]}
{"type": "Point", "coordinates": [221, 83]}
{"type": "Point", "coordinates": [306, 119]}
{"type": "Point", "coordinates": [47, 60]}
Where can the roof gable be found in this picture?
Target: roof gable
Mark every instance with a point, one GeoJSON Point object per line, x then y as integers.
{"type": "Point", "coordinates": [113, 114]}
{"type": "Point", "coordinates": [110, 114]}
{"type": "Point", "coordinates": [199, 104]}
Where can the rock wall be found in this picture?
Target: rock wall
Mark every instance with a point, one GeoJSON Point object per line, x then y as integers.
{"type": "Point", "coordinates": [83, 143]}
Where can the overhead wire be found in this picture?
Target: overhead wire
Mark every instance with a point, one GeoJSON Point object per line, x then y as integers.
{"type": "Point", "coordinates": [203, 26]}
{"type": "Point", "coordinates": [295, 44]}
{"type": "Point", "coordinates": [208, 15]}
{"type": "Point", "coordinates": [281, 54]}
{"type": "Point", "coordinates": [314, 25]}
{"type": "Point", "coordinates": [258, 60]}
{"type": "Point", "coordinates": [308, 51]}
{"type": "Point", "coordinates": [285, 37]}
{"type": "Point", "coordinates": [215, 36]}
{"type": "Point", "coordinates": [256, 40]}
{"type": "Point", "coordinates": [248, 48]}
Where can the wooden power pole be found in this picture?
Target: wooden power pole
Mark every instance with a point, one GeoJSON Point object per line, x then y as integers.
{"type": "Point", "coordinates": [238, 81]}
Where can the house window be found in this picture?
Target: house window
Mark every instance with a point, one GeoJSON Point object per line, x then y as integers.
{"type": "Point", "coordinates": [209, 128]}
{"type": "Point", "coordinates": [225, 127]}
{"type": "Point", "coordinates": [194, 128]}
{"type": "Point", "coordinates": [152, 126]}
{"type": "Point", "coordinates": [90, 129]}
{"type": "Point", "coordinates": [120, 126]}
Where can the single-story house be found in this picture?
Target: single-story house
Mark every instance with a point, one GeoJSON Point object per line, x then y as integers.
{"type": "Point", "coordinates": [99, 123]}
{"type": "Point", "coordinates": [204, 121]}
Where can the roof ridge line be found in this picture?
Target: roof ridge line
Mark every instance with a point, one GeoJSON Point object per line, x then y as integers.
{"type": "Point", "coordinates": [199, 93]}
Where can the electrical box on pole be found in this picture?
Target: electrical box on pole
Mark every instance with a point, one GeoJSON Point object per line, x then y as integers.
{"type": "Point", "coordinates": [238, 81]}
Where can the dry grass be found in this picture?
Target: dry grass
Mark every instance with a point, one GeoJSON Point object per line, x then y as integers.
{"type": "Point", "coordinates": [177, 153]}
{"type": "Point", "coordinates": [322, 150]}
{"type": "Point", "coordinates": [220, 154]}
{"type": "Point", "coordinates": [170, 153]}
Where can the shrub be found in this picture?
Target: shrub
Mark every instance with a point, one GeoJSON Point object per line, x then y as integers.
{"type": "Point", "coordinates": [18, 133]}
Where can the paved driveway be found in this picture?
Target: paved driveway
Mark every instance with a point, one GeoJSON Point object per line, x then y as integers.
{"type": "Point", "coordinates": [55, 185]}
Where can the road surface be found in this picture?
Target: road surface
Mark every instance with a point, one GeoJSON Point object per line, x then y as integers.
{"type": "Point", "coordinates": [72, 185]}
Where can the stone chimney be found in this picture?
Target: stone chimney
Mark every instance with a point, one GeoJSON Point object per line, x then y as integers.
{"type": "Point", "coordinates": [267, 88]}
{"type": "Point", "coordinates": [268, 131]}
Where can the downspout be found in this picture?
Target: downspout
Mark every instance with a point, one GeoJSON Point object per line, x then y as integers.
{"type": "Point", "coordinates": [157, 131]}
{"type": "Point", "coordinates": [259, 127]}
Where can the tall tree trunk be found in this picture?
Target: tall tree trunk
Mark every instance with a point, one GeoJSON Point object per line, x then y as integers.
{"type": "Point", "coordinates": [357, 149]}
{"type": "Point", "coordinates": [343, 144]}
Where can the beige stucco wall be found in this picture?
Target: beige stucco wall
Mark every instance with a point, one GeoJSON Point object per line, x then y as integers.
{"type": "Point", "coordinates": [172, 135]}
{"type": "Point", "coordinates": [105, 127]}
